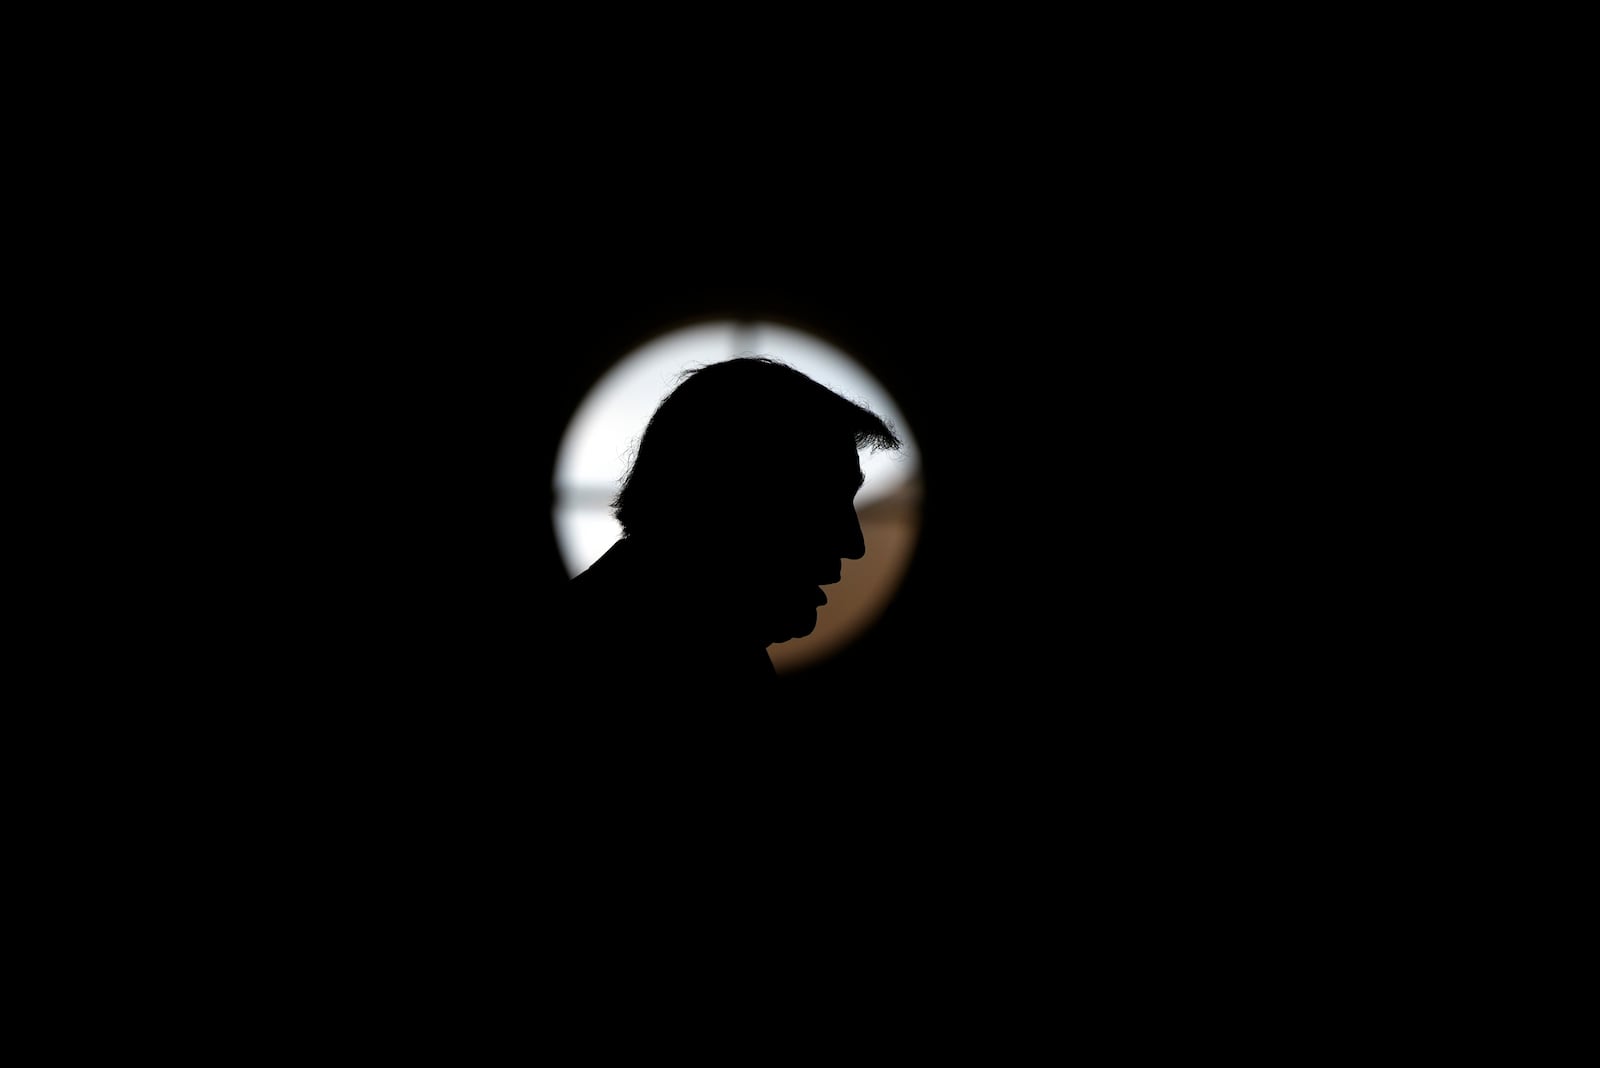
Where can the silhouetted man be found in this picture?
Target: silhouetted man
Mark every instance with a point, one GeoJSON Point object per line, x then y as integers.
{"type": "Point", "coordinates": [736, 512]}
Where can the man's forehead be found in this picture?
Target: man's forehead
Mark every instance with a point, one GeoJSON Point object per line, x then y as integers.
{"type": "Point", "coordinates": [844, 462]}
{"type": "Point", "coordinates": [836, 462]}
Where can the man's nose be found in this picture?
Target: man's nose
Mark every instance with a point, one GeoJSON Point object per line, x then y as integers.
{"type": "Point", "coordinates": [852, 545]}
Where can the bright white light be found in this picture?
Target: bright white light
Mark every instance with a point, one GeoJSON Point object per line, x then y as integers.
{"type": "Point", "coordinates": [597, 446]}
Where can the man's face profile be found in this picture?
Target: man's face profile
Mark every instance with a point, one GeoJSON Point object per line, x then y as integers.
{"type": "Point", "coordinates": [797, 529]}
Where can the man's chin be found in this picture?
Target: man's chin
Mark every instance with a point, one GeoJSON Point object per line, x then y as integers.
{"type": "Point", "coordinates": [797, 627]}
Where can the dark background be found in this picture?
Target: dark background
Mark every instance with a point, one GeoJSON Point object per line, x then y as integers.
{"type": "Point", "coordinates": [1122, 644]}
{"type": "Point", "coordinates": [1130, 526]}
{"type": "Point", "coordinates": [1115, 457]}
{"type": "Point", "coordinates": [1096, 703]}
{"type": "Point", "coordinates": [1107, 644]}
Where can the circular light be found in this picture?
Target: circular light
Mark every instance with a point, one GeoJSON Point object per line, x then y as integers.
{"type": "Point", "coordinates": [597, 446]}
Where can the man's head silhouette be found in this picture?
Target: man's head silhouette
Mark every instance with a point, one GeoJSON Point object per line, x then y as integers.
{"type": "Point", "coordinates": [737, 509]}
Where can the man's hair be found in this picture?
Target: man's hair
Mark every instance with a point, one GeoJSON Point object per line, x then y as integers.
{"type": "Point", "coordinates": [730, 428]}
